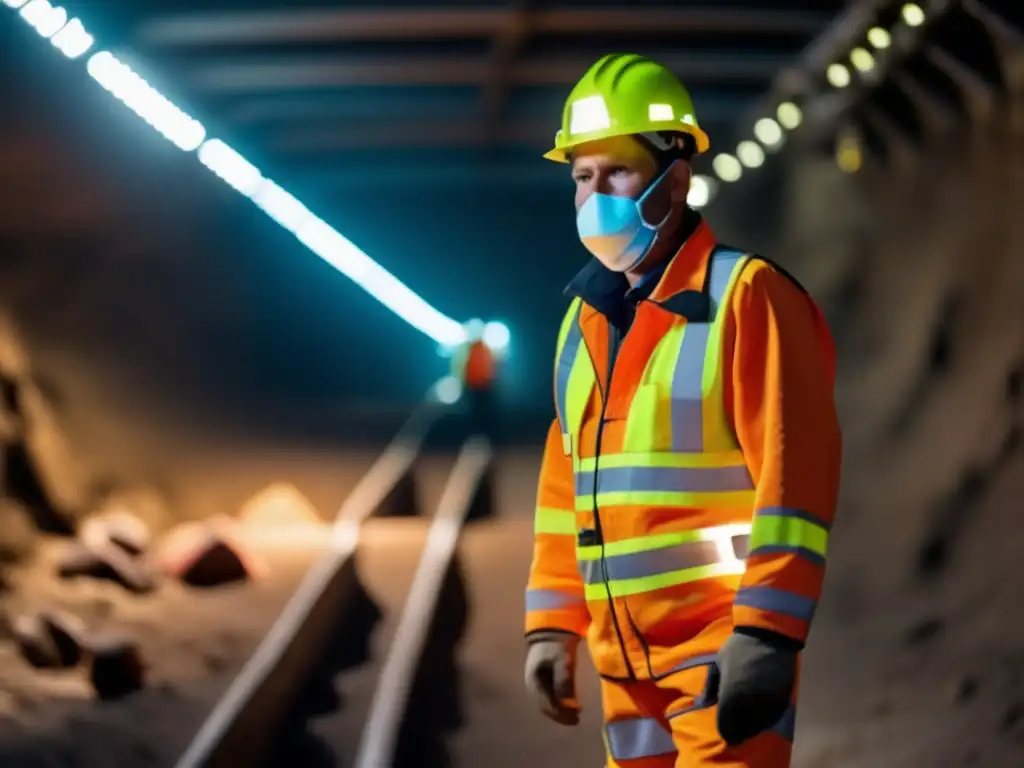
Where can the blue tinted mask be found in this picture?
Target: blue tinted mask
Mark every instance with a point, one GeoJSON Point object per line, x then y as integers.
{"type": "Point", "coordinates": [614, 229]}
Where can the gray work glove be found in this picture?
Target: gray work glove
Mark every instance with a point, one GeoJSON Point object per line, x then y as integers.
{"type": "Point", "coordinates": [551, 675]}
{"type": "Point", "coordinates": [753, 682]}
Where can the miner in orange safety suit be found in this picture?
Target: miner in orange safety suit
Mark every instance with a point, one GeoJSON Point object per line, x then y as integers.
{"type": "Point", "coordinates": [475, 367]}
{"type": "Point", "coordinates": [690, 476]}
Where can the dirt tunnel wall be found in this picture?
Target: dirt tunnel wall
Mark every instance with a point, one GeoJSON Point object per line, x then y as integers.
{"type": "Point", "coordinates": [920, 266]}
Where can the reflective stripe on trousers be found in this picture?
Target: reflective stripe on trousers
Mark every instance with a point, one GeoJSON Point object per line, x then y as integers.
{"type": "Point", "coordinates": [638, 738]}
{"type": "Point", "coordinates": [644, 737]}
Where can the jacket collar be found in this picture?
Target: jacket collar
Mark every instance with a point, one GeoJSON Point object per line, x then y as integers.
{"type": "Point", "coordinates": [605, 290]}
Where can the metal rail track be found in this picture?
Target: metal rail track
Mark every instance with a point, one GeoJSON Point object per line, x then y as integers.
{"type": "Point", "coordinates": [244, 724]}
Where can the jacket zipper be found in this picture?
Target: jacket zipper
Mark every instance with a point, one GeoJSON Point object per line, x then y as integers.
{"type": "Point", "coordinates": [613, 351]}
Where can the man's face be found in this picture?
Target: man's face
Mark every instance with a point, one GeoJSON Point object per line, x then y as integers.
{"type": "Point", "coordinates": [623, 167]}
{"type": "Point", "coordinates": [619, 166]}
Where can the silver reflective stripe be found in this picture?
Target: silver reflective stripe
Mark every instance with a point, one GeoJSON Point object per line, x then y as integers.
{"type": "Point", "coordinates": [563, 368]}
{"type": "Point", "coordinates": [786, 727]}
{"type": "Point", "coordinates": [723, 262]}
{"type": "Point", "coordinates": [688, 377]}
{"type": "Point", "coordinates": [665, 479]}
{"type": "Point", "coordinates": [638, 738]}
{"type": "Point", "coordinates": [652, 562]}
{"type": "Point", "coordinates": [688, 390]}
{"type": "Point", "coordinates": [741, 545]}
{"type": "Point", "coordinates": [778, 601]}
{"type": "Point", "coordinates": [551, 600]}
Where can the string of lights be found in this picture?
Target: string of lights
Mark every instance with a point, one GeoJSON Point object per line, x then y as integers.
{"type": "Point", "coordinates": [769, 132]}
{"type": "Point", "coordinates": [70, 37]}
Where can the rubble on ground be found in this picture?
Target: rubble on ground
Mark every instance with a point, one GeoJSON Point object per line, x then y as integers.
{"type": "Point", "coordinates": [39, 468]}
{"type": "Point", "coordinates": [208, 553]}
{"type": "Point", "coordinates": [74, 547]}
{"type": "Point", "coordinates": [18, 533]}
{"type": "Point", "coordinates": [279, 505]}
{"type": "Point", "coordinates": [49, 639]}
{"type": "Point", "coordinates": [116, 667]}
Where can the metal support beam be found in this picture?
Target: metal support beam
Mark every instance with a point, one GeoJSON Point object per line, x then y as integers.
{"type": "Point", "coordinates": [260, 112]}
{"type": "Point", "coordinates": [305, 26]}
{"type": "Point", "coordinates": [532, 134]}
{"type": "Point", "coordinates": [246, 74]}
{"type": "Point", "coordinates": [505, 48]}
{"type": "Point", "coordinates": [347, 179]}
{"type": "Point", "coordinates": [380, 134]}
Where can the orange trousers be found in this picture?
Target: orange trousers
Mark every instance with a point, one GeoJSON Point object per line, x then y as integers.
{"type": "Point", "coordinates": [670, 723]}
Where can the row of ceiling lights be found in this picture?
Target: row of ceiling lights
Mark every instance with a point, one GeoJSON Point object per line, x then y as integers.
{"type": "Point", "coordinates": [769, 132]}
{"type": "Point", "coordinates": [70, 37]}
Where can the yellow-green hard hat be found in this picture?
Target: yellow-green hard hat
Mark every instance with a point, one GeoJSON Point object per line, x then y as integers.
{"type": "Point", "coordinates": [623, 94]}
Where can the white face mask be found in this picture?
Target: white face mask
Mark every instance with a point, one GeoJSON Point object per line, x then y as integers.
{"type": "Point", "coordinates": [613, 228]}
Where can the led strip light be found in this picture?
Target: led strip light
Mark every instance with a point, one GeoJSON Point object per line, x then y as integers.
{"type": "Point", "coordinates": [70, 37]}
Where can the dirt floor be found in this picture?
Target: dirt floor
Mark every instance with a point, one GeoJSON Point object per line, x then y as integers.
{"type": "Point", "coordinates": [915, 658]}
{"type": "Point", "coordinates": [192, 641]}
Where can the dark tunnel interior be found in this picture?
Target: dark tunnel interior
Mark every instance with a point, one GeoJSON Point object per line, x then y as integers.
{"type": "Point", "coordinates": [186, 350]}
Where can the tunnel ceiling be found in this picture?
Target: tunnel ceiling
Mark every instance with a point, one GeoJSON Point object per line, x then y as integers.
{"type": "Point", "coordinates": [331, 100]}
{"type": "Point", "coordinates": [319, 91]}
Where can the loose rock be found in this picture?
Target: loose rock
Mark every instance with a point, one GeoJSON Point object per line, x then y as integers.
{"type": "Point", "coordinates": [18, 533]}
{"type": "Point", "coordinates": [116, 526]}
{"type": "Point", "coordinates": [133, 514]}
{"type": "Point", "coordinates": [207, 554]}
{"type": "Point", "coordinates": [278, 505]}
{"type": "Point", "coordinates": [116, 668]}
{"type": "Point", "coordinates": [106, 560]}
{"type": "Point", "coordinates": [76, 559]}
{"type": "Point", "coordinates": [49, 639]}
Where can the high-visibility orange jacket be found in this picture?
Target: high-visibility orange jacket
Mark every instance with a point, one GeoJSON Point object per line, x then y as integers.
{"type": "Point", "coordinates": [693, 477]}
{"type": "Point", "coordinates": [474, 366]}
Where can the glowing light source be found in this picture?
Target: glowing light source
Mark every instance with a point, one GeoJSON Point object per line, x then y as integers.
{"type": "Point", "coordinates": [879, 38]}
{"type": "Point", "coordinates": [848, 154]}
{"type": "Point", "coordinates": [44, 18]}
{"type": "Point", "coordinates": [838, 76]}
{"type": "Point", "coordinates": [700, 192]}
{"type": "Point", "coordinates": [862, 59]}
{"type": "Point", "coordinates": [448, 390]}
{"type": "Point", "coordinates": [139, 96]}
{"type": "Point", "coordinates": [72, 39]}
{"type": "Point", "coordinates": [789, 115]}
{"type": "Point", "coordinates": [913, 14]}
{"type": "Point", "coordinates": [750, 154]}
{"type": "Point", "coordinates": [496, 336]}
{"type": "Point", "coordinates": [768, 132]}
{"type": "Point", "coordinates": [727, 167]}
